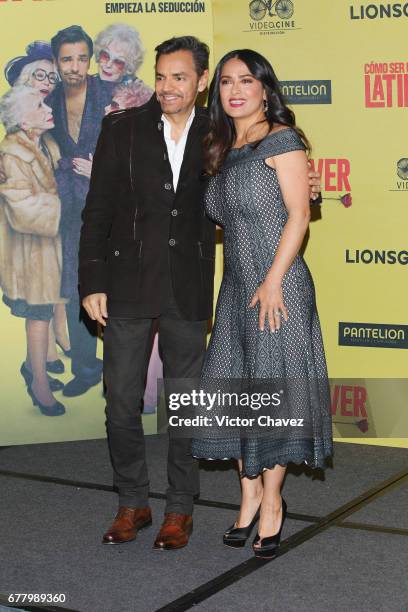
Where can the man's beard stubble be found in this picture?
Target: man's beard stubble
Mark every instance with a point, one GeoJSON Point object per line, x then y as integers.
{"type": "Point", "coordinates": [74, 83]}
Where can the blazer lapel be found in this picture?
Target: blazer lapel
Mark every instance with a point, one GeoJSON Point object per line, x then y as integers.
{"type": "Point", "coordinates": [146, 141]}
{"type": "Point", "coordinates": [194, 137]}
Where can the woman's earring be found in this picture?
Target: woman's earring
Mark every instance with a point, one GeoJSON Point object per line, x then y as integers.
{"type": "Point", "coordinates": [265, 106]}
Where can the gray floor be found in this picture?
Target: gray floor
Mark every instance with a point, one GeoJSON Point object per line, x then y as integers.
{"type": "Point", "coordinates": [393, 510]}
{"type": "Point", "coordinates": [356, 469]}
{"type": "Point", "coordinates": [52, 537]}
{"type": "Point", "coordinates": [338, 570]}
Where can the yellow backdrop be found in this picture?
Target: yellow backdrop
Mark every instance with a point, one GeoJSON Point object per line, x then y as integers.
{"type": "Point", "coordinates": [357, 253]}
{"type": "Point", "coordinates": [22, 22]}
{"type": "Point", "coordinates": [344, 67]}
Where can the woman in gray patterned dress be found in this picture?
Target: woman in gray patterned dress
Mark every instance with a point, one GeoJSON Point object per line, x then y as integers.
{"type": "Point", "coordinates": [267, 331]}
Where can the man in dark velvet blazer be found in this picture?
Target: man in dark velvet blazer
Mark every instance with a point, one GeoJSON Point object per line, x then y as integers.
{"type": "Point", "coordinates": [147, 255]}
{"type": "Point", "coordinates": [147, 252]}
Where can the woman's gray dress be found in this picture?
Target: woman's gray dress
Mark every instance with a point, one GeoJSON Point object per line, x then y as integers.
{"type": "Point", "coordinates": [245, 198]}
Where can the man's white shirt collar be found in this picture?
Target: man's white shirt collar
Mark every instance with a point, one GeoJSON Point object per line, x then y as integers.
{"type": "Point", "coordinates": [176, 150]}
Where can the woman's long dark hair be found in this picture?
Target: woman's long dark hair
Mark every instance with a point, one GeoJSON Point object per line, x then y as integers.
{"type": "Point", "coordinates": [222, 132]}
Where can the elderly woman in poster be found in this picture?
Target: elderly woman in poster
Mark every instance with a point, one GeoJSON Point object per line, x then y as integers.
{"type": "Point", "coordinates": [37, 69]}
{"type": "Point", "coordinates": [119, 54]}
{"type": "Point", "coordinates": [30, 245]}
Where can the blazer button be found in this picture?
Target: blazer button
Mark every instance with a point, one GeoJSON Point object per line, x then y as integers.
{"type": "Point", "coordinates": [116, 253]}
{"type": "Point", "coordinates": [174, 212]}
{"type": "Point", "coordinates": [167, 186]}
{"type": "Point", "coordinates": [172, 242]}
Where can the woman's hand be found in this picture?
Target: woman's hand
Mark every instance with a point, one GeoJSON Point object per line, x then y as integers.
{"type": "Point", "coordinates": [270, 298]}
{"type": "Point", "coordinates": [83, 166]}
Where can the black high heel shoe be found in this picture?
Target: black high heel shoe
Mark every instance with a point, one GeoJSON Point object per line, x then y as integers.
{"type": "Point", "coordinates": [67, 353]}
{"type": "Point", "coordinates": [56, 366]}
{"type": "Point", "coordinates": [56, 409]}
{"type": "Point", "coordinates": [55, 384]}
{"type": "Point", "coordinates": [269, 546]}
{"type": "Point", "coordinates": [237, 536]}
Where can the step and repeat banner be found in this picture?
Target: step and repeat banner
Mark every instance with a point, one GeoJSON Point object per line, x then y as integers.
{"type": "Point", "coordinates": [121, 71]}
{"type": "Point", "coordinates": [343, 67]}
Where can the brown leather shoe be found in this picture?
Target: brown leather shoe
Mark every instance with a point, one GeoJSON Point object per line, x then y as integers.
{"type": "Point", "coordinates": [127, 523]}
{"type": "Point", "coordinates": [175, 531]}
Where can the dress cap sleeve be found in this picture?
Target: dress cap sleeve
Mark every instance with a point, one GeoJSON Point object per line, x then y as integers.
{"type": "Point", "coordinates": [277, 143]}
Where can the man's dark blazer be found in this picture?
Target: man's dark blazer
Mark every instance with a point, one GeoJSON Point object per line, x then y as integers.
{"type": "Point", "coordinates": [137, 234]}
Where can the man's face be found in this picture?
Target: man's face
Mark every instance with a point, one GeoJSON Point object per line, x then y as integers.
{"type": "Point", "coordinates": [73, 63]}
{"type": "Point", "coordinates": [177, 82]}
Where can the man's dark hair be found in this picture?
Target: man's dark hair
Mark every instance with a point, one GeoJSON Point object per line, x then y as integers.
{"type": "Point", "coordinates": [73, 34]}
{"type": "Point", "coordinates": [199, 50]}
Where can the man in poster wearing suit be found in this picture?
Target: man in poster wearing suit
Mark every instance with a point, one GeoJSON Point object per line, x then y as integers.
{"type": "Point", "coordinates": [147, 253]}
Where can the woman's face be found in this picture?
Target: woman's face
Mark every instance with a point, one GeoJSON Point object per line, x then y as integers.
{"type": "Point", "coordinates": [43, 77]}
{"type": "Point", "coordinates": [112, 62]}
{"type": "Point", "coordinates": [36, 115]}
{"type": "Point", "coordinates": [242, 95]}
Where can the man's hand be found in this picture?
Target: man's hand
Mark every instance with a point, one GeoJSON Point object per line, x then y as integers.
{"type": "Point", "coordinates": [314, 182]}
{"type": "Point", "coordinates": [95, 306]}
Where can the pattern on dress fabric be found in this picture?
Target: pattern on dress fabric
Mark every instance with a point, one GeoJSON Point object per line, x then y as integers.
{"type": "Point", "coordinates": [245, 198]}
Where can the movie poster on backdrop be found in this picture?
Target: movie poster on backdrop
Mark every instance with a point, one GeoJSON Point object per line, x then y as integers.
{"type": "Point", "coordinates": [51, 357]}
{"type": "Point", "coordinates": [343, 67]}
